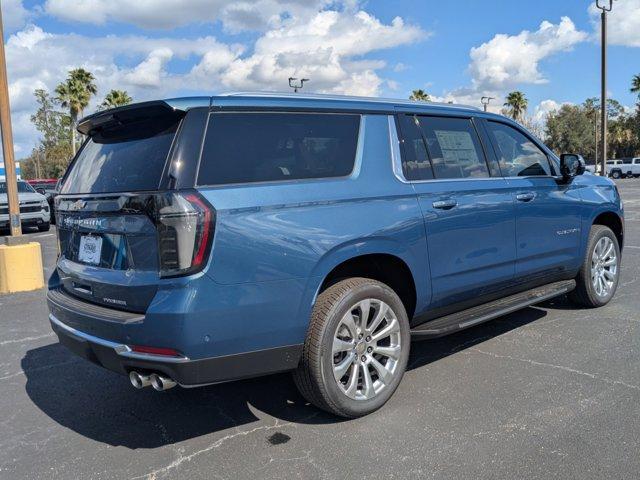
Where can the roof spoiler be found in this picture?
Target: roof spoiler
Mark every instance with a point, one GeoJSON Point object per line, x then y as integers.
{"type": "Point", "coordinates": [116, 117]}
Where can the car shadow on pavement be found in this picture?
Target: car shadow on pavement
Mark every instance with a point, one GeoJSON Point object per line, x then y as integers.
{"type": "Point", "coordinates": [103, 406]}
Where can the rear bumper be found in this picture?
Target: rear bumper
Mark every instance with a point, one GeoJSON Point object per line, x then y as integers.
{"type": "Point", "coordinates": [119, 357]}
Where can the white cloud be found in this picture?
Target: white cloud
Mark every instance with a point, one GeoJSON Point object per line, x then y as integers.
{"type": "Point", "coordinates": [14, 15]}
{"type": "Point", "coordinates": [165, 14]}
{"type": "Point", "coordinates": [544, 108]}
{"type": "Point", "coordinates": [508, 60]}
{"type": "Point", "coordinates": [623, 22]}
{"type": "Point", "coordinates": [327, 46]}
{"type": "Point", "coordinates": [149, 73]}
{"type": "Point", "coordinates": [323, 48]}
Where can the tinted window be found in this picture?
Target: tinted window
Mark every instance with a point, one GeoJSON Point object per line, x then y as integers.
{"type": "Point", "coordinates": [23, 187]}
{"type": "Point", "coordinates": [517, 154]}
{"type": "Point", "coordinates": [262, 147]}
{"type": "Point", "coordinates": [454, 147]}
{"type": "Point", "coordinates": [415, 162]}
{"type": "Point", "coordinates": [131, 160]}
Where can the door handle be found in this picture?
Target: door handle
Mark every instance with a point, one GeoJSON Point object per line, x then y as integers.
{"type": "Point", "coordinates": [525, 197]}
{"type": "Point", "coordinates": [444, 204]}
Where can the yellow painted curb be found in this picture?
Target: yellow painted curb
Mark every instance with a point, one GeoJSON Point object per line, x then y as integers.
{"type": "Point", "coordinates": [21, 268]}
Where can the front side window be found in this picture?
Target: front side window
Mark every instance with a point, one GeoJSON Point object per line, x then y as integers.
{"type": "Point", "coordinates": [518, 155]}
{"type": "Point", "coordinates": [263, 147]}
{"type": "Point", "coordinates": [454, 148]}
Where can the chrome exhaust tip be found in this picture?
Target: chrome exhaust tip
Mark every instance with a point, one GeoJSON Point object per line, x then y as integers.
{"type": "Point", "coordinates": [139, 380]}
{"type": "Point", "coordinates": [160, 383]}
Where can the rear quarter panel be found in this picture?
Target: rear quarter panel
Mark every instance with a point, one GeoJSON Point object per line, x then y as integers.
{"type": "Point", "coordinates": [282, 239]}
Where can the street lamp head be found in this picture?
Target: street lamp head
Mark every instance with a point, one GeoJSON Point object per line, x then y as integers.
{"type": "Point", "coordinates": [604, 5]}
{"type": "Point", "coordinates": [297, 85]}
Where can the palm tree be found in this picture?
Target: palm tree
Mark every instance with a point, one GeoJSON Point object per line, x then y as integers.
{"type": "Point", "coordinates": [635, 85]}
{"type": "Point", "coordinates": [420, 95]}
{"type": "Point", "coordinates": [516, 105]}
{"type": "Point", "coordinates": [116, 98]}
{"type": "Point", "coordinates": [75, 93]}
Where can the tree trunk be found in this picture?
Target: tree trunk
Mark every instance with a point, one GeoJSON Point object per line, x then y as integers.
{"type": "Point", "coordinates": [74, 119]}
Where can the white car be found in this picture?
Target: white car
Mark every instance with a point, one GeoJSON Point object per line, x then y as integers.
{"type": "Point", "coordinates": [627, 167]}
{"type": "Point", "coordinates": [34, 209]}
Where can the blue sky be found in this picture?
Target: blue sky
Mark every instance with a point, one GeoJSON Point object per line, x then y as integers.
{"type": "Point", "coordinates": [457, 50]}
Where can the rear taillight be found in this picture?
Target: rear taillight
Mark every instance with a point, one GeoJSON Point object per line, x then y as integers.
{"type": "Point", "coordinates": [185, 222]}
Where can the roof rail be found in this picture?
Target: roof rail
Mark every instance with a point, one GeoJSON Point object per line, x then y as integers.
{"type": "Point", "coordinates": [345, 98]}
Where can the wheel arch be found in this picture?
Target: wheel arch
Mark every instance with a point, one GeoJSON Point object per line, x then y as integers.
{"type": "Point", "coordinates": [614, 222]}
{"type": "Point", "coordinates": [382, 259]}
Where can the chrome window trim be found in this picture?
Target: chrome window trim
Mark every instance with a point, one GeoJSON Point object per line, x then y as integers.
{"type": "Point", "coordinates": [120, 348]}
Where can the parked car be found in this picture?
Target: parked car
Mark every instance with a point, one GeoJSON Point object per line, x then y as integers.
{"type": "Point", "coordinates": [631, 167]}
{"type": "Point", "coordinates": [210, 239]}
{"type": "Point", "coordinates": [49, 188]}
{"type": "Point", "coordinates": [625, 167]}
{"type": "Point", "coordinates": [34, 210]}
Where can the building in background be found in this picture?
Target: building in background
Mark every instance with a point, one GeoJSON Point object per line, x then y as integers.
{"type": "Point", "coordinates": [2, 174]}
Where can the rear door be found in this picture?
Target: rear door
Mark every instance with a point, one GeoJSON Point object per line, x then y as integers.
{"type": "Point", "coordinates": [468, 212]}
{"type": "Point", "coordinates": [113, 242]}
{"type": "Point", "coordinates": [548, 219]}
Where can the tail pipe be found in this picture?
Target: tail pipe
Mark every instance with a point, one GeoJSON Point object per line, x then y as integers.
{"type": "Point", "coordinates": [139, 380]}
{"type": "Point", "coordinates": [160, 382]}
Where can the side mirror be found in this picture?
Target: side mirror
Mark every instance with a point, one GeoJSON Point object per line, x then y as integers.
{"type": "Point", "coordinates": [41, 191]}
{"type": "Point", "coordinates": [571, 165]}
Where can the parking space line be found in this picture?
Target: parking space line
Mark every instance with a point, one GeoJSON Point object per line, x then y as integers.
{"type": "Point", "coordinates": [27, 339]}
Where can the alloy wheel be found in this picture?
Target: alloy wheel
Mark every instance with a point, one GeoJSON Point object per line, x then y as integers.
{"type": "Point", "coordinates": [366, 349]}
{"type": "Point", "coordinates": [604, 266]}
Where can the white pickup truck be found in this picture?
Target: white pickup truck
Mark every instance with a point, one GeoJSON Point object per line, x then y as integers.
{"type": "Point", "coordinates": [626, 167]}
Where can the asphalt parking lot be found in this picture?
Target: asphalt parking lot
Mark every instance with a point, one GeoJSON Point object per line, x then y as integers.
{"type": "Point", "coordinates": [547, 392]}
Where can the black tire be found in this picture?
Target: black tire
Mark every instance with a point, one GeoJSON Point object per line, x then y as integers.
{"type": "Point", "coordinates": [616, 174]}
{"type": "Point", "coordinates": [315, 377]}
{"type": "Point", "coordinates": [44, 227]}
{"type": "Point", "coordinates": [585, 293]}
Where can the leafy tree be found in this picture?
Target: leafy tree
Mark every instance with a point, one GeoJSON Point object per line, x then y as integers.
{"type": "Point", "coordinates": [75, 93]}
{"type": "Point", "coordinates": [516, 105]}
{"type": "Point", "coordinates": [569, 130]}
{"type": "Point", "coordinates": [420, 95]}
{"type": "Point", "coordinates": [635, 85]}
{"type": "Point", "coordinates": [52, 124]}
{"type": "Point", "coordinates": [53, 152]}
{"type": "Point", "coordinates": [115, 98]}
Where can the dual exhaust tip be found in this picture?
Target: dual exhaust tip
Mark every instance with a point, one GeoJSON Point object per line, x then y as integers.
{"type": "Point", "coordinates": [157, 381]}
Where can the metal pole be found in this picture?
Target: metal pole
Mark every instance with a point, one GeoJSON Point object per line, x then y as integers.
{"type": "Point", "coordinates": [603, 101]}
{"type": "Point", "coordinates": [7, 144]}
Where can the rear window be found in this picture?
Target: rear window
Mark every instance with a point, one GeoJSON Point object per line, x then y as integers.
{"type": "Point", "coordinates": [263, 147]}
{"type": "Point", "coordinates": [124, 160]}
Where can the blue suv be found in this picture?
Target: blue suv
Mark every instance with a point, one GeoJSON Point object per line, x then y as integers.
{"type": "Point", "coordinates": [211, 239]}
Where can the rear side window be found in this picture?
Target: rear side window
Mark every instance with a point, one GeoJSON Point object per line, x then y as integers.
{"type": "Point", "coordinates": [263, 147]}
{"type": "Point", "coordinates": [129, 159]}
{"type": "Point", "coordinates": [415, 161]}
{"type": "Point", "coordinates": [517, 154]}
{"type": "Point", "coordinates": [454, 147]}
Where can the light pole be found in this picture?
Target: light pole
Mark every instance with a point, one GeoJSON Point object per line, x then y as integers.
{"type": "Point", "coordinates": [485, 102]}
{"type": "Point", "coordinates": [7, 144]}
{"type": "Point", "coordinates": [605, 6]}
{"type": "Point", "coordinates": [297, 86]}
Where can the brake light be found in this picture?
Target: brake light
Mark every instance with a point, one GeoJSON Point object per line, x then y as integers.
{"type": "Point", "coordinates": [185, 224]}
{"type": "Point", "coordinates": [167, 352]}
